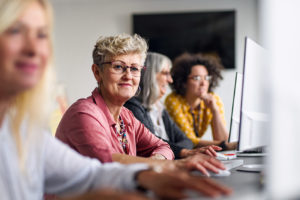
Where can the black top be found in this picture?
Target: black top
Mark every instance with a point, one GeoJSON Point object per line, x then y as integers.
{"type": "Point", "coordinates": [177, 139]}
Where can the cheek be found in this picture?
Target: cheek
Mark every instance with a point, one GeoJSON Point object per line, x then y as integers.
{"type": "Point", "coordinates": [45, 54]}
{"type": "Point", "coordinates": [136, 82]}
{"type": "Point", "coordinates": [8, 52]}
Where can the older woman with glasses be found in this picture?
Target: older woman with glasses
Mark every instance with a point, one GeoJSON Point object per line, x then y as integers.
{"type": "Point", "coordinates": [193, 105]}
{"type": "Point", "coordinates": [100, 127]}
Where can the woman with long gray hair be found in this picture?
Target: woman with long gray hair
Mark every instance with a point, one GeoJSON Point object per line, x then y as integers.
{"type": "Point", "coordinates": [149, 109]}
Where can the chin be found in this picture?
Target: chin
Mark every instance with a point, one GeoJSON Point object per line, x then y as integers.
{"type": "Point", "coordinates": [125, 97]}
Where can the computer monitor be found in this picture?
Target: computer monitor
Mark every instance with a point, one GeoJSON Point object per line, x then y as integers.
{"type": "Point", "coordinates": [235, 111]}
{"type": "Point", "coordinates": [254, 110]}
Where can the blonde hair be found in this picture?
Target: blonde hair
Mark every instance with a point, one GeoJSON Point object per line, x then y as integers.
{"type": "Point", "coordinates": [31, 105]}
{"type": "Point", "coordinates": [119, 45]}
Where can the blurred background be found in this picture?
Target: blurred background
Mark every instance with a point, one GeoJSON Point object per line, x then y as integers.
{"type": "Point", "coordinates": [79, 23]}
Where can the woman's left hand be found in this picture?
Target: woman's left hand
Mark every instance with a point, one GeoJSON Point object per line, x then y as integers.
{"type": "Point", "coordinates": [209, 101]}
{"type": "Point", "coordinates": [200, 162]}
{"type": "Point", "coordinates": [209, 150]}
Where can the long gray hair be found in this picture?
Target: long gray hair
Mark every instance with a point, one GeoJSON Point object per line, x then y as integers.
{"type": "Point", "coordinates": [149, 89]}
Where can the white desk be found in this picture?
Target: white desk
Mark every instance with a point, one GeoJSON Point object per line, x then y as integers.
{"type": "Point", "coordinates": [245, 185]}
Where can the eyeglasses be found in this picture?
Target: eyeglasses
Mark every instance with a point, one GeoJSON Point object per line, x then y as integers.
{"type": "Point", "coordinates": [119, 67]}
{"type": "Point", "coordinates": [201, 78]}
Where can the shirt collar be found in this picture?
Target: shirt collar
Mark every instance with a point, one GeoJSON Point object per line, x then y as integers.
{"type": "Point", "coordinates": [98, 99]}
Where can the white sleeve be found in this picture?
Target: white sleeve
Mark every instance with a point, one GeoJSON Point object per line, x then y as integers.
{"type": "Point", "coordinates": [67, 172]}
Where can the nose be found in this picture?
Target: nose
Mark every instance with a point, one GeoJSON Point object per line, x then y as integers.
{"type": "Point", "coordinates": [30, 48]}
{"type": "Point", "coordinates": [170, 79]}
{"type": "Point", "coordinates": [127, 73]}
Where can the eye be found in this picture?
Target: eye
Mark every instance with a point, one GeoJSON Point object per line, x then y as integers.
{"type": "Point", "coordinates": [14, 30]}
{"type": "Point", "coordinates": [197, 78]}
{"type": "Point", "coordinates": [134, 69]}
{"type": "Point", "coordinates": [42, 35]}
{"type": "Point", "coordinates": [118, 67]}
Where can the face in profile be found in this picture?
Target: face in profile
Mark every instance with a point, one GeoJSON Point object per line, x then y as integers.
{"type": "Point", "coordinates": [197, 84]}
{"type": "Point", "coordinates": [24, 50]}
{"type": "Point", "coordinates": [163, 79]}
{"type": "Point", "coordinates": [120, 86]}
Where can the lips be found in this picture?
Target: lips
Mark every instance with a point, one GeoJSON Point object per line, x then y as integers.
{"type": "Point", "coordinates": [125, 84]}
{"type": "Point", "coordinates": [27, 67]}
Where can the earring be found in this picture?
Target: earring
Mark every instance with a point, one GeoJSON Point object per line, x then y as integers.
{"type": "Point", "coordinates": [138, 91]}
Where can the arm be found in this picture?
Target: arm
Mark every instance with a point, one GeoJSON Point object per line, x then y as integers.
{"type": "Point", "coordinates": [174, 108]}
{"type": "Point", "coordinates": [69, 173]}
{"type": "Point", "coordinates": [215, 104]}
{"type": "Point", "coordinates": [147, 144]}
{"type": "Point", "coordinates": [177, 139]}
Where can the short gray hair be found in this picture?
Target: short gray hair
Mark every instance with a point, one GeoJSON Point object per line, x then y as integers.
{"type": "Point", "coordinates": [150, 91]}
{"type": "Point", "coordinates": [119, 45]}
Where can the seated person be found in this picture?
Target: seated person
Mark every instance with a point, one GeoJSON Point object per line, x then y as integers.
{"type": "Point", "coordinates": [148, 108]}
{"type": "Point", "coordinates": [192, 104]}
{"type": "Point", "coordinates": [32, 161]}
{"type": "Point", "coordinates": [101, 127]}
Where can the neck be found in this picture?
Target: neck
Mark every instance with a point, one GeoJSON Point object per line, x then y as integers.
{"type": "Point", "coordinates": [192, 101]}
{"type": "Point", "coordinates": [113, 107]}
{"type": "Point", "coordinates": [4, 105]}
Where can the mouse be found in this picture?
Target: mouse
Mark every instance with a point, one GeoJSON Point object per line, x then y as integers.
{"type": "Point", "coordinates": [221, 173]}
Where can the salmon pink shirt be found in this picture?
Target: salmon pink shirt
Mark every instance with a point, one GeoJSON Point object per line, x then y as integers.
{"type": "Point", "coordinates": [88, 127]}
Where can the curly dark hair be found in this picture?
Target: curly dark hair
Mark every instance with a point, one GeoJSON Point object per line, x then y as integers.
{"type": "Point", "coordinates": [183, 64]}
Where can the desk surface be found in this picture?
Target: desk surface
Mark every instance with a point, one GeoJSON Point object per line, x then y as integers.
{"type": "Point", "coordinates": [245, 185]}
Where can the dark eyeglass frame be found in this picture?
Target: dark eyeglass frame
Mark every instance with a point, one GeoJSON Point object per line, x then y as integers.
{"type": "Point", "coordinates": [124, 67]}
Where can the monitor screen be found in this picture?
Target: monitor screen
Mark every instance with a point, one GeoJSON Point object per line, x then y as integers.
{"type": "Point", "coordinates": [175, 33]}
{"type": "Point", "coordinates": [235, 111]}
{"type": "Point", "coordinates": [254, 110]}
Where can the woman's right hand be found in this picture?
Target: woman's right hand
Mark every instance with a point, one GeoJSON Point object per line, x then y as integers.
{"type": "Point", "coordinates": [173, 184]}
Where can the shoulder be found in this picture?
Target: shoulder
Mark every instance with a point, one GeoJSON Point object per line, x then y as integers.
{"type": "Point", "coordinates": [83, 106]}
{"type": "Point", "coordinates": [173, 97]}
{"type": "Point", "coordinates": [133, 104]}
{"type": "Point", "coordinates": [83, 111]}
{"type": "Point", "coordinates": [174, 101]}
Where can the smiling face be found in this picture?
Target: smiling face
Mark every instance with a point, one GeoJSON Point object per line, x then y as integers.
{"type": "Point", "coordinates": [197, 88]}
{"type": "Point", "coordinates": [24, 51]}
{"type": "Point", "coordinates": [163, 79]}
{"type": "Point", "coordinates": [118, 87]}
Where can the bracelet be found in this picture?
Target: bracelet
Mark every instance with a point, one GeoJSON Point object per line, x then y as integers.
{"type": "Point", "coordinates": [223, 145]}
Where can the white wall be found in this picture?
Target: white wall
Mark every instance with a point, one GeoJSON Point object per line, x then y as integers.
{"type": "Point", "coordinates": [78, 24]}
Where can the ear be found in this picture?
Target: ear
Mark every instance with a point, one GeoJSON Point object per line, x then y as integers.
{"type": "Point", "coordinates": [97, 72]}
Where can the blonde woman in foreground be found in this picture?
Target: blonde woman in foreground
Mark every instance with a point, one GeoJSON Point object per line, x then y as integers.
{"type": "Point", "coordinates": [32, 162]}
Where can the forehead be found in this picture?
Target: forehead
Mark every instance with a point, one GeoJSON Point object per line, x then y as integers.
{"type": "Point", "coordinates": [34, 16]}
{"type": "Point", "coordinates": [199, 70]}
{"type": "Point", "coordinates": [129, 59]}
{"type": "Point", "coordinates": [165, 67]}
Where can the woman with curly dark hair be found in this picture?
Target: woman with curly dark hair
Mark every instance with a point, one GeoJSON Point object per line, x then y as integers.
{"type": "Point", "coordinates": [193, 105]}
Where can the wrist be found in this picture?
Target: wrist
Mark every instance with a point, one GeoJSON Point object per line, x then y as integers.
{"type": "Point", "coordinates": [139, 178]}
{"type": "Point", "coordinates": [184, 153]}
{"type": "Point", "coordinates": [223, 145]}
{"type": "Point", "coordinates": [158, 157]}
